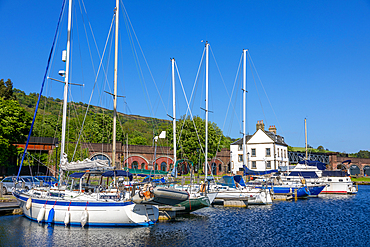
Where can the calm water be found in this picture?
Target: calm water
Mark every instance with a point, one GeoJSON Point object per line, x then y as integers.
{"type": "Point", "coordinates": [335, 220]}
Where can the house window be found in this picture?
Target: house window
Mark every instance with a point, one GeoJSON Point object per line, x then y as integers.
{"type": "Point", "coordinates": [254, 166]}
{"type": "Point", "coordinates": [268, 164]}
{"type": "Point", "coordinates": [284, 153]}
{"type": "Point", "coordinates": [278, 153]}
{"type": "Point", "coordinates": [268, 152]}
{"type": "Point", "coordinates": [240, 147]}
{"type": "Point", "coordinates": [253, 152]}
{"type": "Point", "coordinates": [240, 157]}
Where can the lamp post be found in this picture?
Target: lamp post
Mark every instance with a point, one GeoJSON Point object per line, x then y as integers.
{"type": "Point", "coordinates": [56, 159]}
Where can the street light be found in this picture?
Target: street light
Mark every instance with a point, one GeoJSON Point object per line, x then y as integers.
{"type": "Point", "coordinates": [56, 158]}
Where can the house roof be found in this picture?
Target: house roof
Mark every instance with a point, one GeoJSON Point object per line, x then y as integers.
{"type": "Point", "coordinates": [276, 138]}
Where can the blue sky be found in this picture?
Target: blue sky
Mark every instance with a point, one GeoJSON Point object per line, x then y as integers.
{"type": "Point", "coordinates": [312, 58]}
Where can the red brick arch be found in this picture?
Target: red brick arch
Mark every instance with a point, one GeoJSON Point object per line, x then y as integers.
{"type": "Point", "coordinates": [138, 158]}
{"type": "Point", "coordinates": [167, 159]}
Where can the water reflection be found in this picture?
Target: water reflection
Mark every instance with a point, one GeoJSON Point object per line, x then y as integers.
{"type": "Point", "coordinates": [329, 220]}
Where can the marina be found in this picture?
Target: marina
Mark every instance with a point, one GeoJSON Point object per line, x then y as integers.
{"type": "Point", "coordinates": [328, 220]}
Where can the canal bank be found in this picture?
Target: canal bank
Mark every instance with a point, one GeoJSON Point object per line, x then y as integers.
{"type": "Point", "coordinates": [329, 220]}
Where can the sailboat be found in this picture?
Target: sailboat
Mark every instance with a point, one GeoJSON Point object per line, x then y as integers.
{"type": "Point", "coordinates": [102, 207]}
{"type": "Point", "coordinates": [197, 199]}
{"type": "Point", "coordinates": [314, 173]}
{"type": "Point", "coordinates": [229, 191]}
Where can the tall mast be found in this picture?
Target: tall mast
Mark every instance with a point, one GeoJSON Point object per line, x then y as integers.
{"type": "Point", "coordinates": [115, 86]}
{"type": "Point", "coordinates": [206, 144]}
{"type": "Point", "coordinates": [66, 80]}
{"type": "Point", "coordinates": [174, 110]}
{"type": "Point", "coordinates": [305, 133]}
{"type": "Point", "coordinates": [244, 105]}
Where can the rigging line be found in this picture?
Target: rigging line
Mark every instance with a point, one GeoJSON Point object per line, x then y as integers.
{"type": "Point", "coordinates": [138, 67]}
{"type": "Point", "coordinates": [96, 78]}
{"type": "Point", "coordinates": [182, 86]}
{"type": "Point", "coordinates": [193, 90]}
{"type": "Point", "coordinates": [259, 98]}
{"type": "Point", "coordinates": [223, 82]}
{"type": "Point", "coordinates": [140, 72]}
{"type": "Point", "coordinates": [137, 40]}
{"type": "Point", "coordinates": [251, 61]}
{"type": "Point", "coordinates": [43, 83]}
{"type": "Point", "coordinates": [230, 97]}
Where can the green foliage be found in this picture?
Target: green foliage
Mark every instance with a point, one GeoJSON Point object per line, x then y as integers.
{"type": "Point", "coordinates": [14, 127]}
{"type": "Point", "coordinates": [189, 146]}
{"type": "Point", "coordinates": [320, 148]}
{"type": "Point", "coordinates": [363, 154]}
{"type": "Point", "coordinates": [6, 90]}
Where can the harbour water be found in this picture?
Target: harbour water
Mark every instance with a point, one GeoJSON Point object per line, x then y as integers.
{"type": "Point", "coordinates": [329, 220]}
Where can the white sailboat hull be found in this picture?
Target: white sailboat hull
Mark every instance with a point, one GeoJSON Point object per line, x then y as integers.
{"type": "Point", "coordinates": [99, 213]}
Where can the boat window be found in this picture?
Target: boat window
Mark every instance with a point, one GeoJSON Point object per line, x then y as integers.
{"type": "Point", "coordinates": [329, 179]}
{"type": "Point", "coordinates": [340, 180]}
{"type": "Point", "coordinates": [7, 180]}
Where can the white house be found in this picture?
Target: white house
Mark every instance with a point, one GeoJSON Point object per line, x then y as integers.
{"type": "Point", "coordinates": [265, 150]}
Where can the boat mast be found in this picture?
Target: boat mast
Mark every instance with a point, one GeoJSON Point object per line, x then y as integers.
{"type": "Point", "coordinates": [173, 110]}
{"type": "Point", "coordinates": [115, 86]}
{"type": "Point", "coordinates": [66, 80]}
{"type": "Point", "coordinates": [206, 144]}
{"type": "Point", "coordinates": [305, 133]}
{"type": "Point", "coordinates": [244, 105]}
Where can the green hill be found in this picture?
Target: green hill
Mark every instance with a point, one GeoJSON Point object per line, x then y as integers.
{"type": "Point", "coordinates": [98, 124]}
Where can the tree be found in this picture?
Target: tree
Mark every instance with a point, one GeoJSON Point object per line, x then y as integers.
{"type": "Point", "coordinates": [188, 142]}
{"type": "Point", "coordinates": [14, 127]}
{"type": "Point", "coordinates": [320, 148]}
{"type": "Point", "coordinates": [6, 90]}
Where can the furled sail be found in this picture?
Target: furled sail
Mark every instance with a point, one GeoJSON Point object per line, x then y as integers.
{"type": "Point", "coordinates": [85, 164]}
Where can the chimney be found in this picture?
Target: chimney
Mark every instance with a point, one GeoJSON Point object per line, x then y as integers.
{"type": "Point", "coordinates": [272, 129]}
{"type": "Point", "coordinates": [260, 125]}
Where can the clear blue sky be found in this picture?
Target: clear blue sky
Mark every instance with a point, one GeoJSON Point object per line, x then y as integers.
{"type": "Point", "coordinates": [313, 58]}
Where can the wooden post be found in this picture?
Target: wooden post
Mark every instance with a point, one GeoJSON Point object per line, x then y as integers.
{"type": "Point", "coordinates": [1, 189]}
{"type": "Point", "coordinates": [295, 194]}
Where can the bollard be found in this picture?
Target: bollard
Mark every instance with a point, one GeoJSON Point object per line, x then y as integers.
{"type": "Point", "coordinates": [1, 189]}
{"type": "Point", "coordinates": [295, 194]}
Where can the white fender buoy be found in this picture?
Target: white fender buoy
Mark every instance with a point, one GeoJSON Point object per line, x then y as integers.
{"type": "Point", "coordinates": [84, 217]}
{"type": "Point", "coordinates": [41, 214]}
{"type": "Point", "coordinates": [29, 203]}
{"type": "Point", "coordinates": [67, 218]}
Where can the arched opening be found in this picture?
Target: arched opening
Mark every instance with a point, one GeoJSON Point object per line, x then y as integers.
{"type": "Point", "coordinates": [367, 171]}
{"type": "Point", "coordinates": [341, 167]}
{"type": "Point", "coordinates": [171, 166]}
{"type": "Point", "coordinates": [163, 166]}
{"type": "Point", "coordinates": [101, 157]}
{"type": "Point", "coordinates": [142, 166]}
{"type": "Point", "coordinates": [156, 166]}
{"type": "Point", "coordinates": [214, 168]}
{"type": "Point", "coordinates": [219, 167]}
{"type": "Point", "coordinates": [135, 165]}
{"type": "Point", "coordinates": [354, 170]}
{"type": "Point", "coordinates": [229, 167]}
